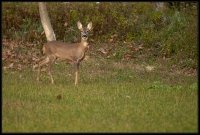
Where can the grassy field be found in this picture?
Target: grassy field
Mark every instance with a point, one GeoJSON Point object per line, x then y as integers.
{"type": "Point", "coordinates": [111, 97]}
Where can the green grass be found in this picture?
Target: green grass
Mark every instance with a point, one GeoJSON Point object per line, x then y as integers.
{"type": "Point", "coordinates": [108, 99]}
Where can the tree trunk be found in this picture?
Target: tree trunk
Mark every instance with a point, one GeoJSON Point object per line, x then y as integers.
{"type": "Point", "coordinates": [160, 6]}
{"type": "Point", "coordinates": [50, 35]}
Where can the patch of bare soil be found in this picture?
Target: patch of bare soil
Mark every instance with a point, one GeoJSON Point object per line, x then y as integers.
{"type": "Point", "coordinates": [156, 67]}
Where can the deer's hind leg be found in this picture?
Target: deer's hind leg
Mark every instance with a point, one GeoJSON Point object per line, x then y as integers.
{"type": "Point", "coordinates": [52, 60]}
{"type": "Point", "coordinates": [42, 63]}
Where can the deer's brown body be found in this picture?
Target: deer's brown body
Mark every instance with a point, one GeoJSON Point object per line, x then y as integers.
{"type": "Point", "coordinates": [74, 52]}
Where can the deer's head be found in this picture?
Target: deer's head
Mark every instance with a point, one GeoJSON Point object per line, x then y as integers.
{"type": "Point", "coordinates": [85, 30]}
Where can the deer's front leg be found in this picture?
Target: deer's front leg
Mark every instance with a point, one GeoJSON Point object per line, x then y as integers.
{"type": "Point", "coordinates": [76, 72]}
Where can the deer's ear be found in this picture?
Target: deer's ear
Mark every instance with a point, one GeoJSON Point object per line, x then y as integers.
{"type": "Point", "coordinates": [89, 26]}
{"type": "Point", "coordinates": [79, 25]}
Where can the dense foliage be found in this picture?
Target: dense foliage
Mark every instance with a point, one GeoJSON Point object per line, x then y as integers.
{"type": "Point", "coordinates": [169, 33]}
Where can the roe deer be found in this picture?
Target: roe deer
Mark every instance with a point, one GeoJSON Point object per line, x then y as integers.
{"type": "Point", "coordinates": [74, 52]}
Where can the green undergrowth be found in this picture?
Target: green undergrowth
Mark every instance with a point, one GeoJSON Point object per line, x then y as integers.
{"type": "Point", "coordinates": [168, 33]}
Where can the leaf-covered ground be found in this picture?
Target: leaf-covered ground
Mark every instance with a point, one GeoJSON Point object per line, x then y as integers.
{"type": "Point", "coordinates": [19, 55]}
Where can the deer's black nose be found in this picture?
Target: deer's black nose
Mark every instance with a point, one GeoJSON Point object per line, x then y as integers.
{"type": "Point", "coordinates": [84, 36]}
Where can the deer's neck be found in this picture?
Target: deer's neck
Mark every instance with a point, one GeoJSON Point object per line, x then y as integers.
{"type": "Point", "coordinates": [84, 44]}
